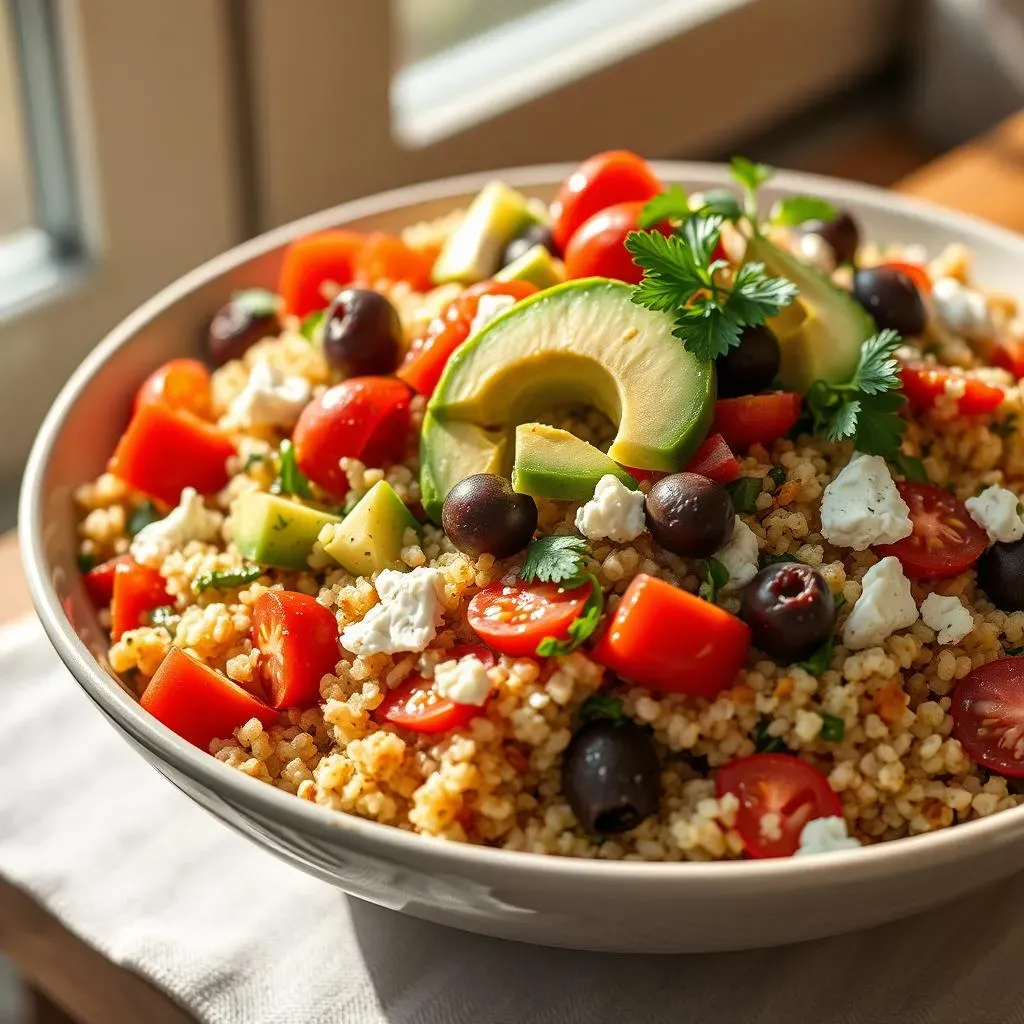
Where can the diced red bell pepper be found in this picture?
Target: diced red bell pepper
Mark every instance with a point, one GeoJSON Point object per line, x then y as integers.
{"type": "Point", "coordinates": [198, 703]}
{"type": "Point", "coordinates": [756, 419]}
{"type": "Point", "coordinates": [385, 257]}
{"type": "Point", "coordinates": [715, 460]}
{"type": "Point", "coordinates": [99, 580]}
{"type": "Point", "coordinates": [164, 451]}
{"type": "Point", "coordinates": [137, 589]}
{"type": "Point", "coordinates": [924, 384]}
{"type": "Point", "coordinates": [1009, 354]}
{"type": "Point", "coordinates": [671, 641]}
{"type": "Point", "coordinates": [310, 262]}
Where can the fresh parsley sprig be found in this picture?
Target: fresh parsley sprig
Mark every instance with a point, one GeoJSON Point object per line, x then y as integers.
{"type": "Point", "coordinates": [713, 576]}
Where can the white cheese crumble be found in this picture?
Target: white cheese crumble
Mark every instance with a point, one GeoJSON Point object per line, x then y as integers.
{"type": "Point", "coordinates": [189, 520]}
{"type": "Point", "coordinates": [464, 681]}
{"type": "Point", "coordinates": [997, 511]}
{"type": "Point", "coordinates": [885, 605]}
{"type": "Point", "coordinates": [407, 617]}
{"type": "Point", "coordinates": [825, 835]}
{"type": "Point", "coordinates": [739, 556]}
{"type": "Point", "coordinates": [962, 309]}
{"type": "Point", "coordinates": [862, 506]}
{"type": "Point", "coordinates": [614, 513]}
{"type": "Point", "coordinates": [490, 307]}
{"type": "Point", "coordinates": [269, 399]}
{"type": "Point", "coordinates": [948, 617]}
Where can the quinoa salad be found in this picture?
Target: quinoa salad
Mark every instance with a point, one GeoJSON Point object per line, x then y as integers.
{"type": "Point", "coordinates": [644, 524]}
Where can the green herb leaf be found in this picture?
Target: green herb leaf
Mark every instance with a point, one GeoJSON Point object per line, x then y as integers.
{"type": "Point", "coordinates": [839, 600]}
{"type": "Point", "coordinates": [142, 515]}
{"type": "Point", "coordinates": [554, 559]}
{"type": "Point", "coordinates": [722, 203]}
{"type": "Point", "coordinates": [911, 468]}
{"type": "Point", "coordinates": [255, 459]}
{"type": "Point", "coordinates": [310, 326]}
{"type": "Point", "coordinates": [1007, 426]}
{"type": "Point", "coordinates": [290, 479]}
{"type": "Point", "coordinates": [820, 660]}
{"type": "Point", "coordinates": [751, 176]}
{"type": "Point", "coordinates": [86, 561]}
{"type": "Point", "coordinates": [165, 617]}
{"type": "Point", "coordinates": [878, 371]}
{"type": "Point", "coordinates": [1014, 652]}
{"type": "Point", "coordinates": [766, 744]}
{"type": "Point", "coordinates": [257, 302]}
{"type": "Point", "coordinates": [672, 204]}
{"type": "Point", "coordinates": [583, 627]}
{"type": "Point", "coordinates": [744, 492]}
{"type": "Point", "coordinates": [833, 728]}
{"type": "Point", "coordinates": [601, 705]}
{"type": "Point", "coordinates": [879, 427]}
{"type": "Point", "coordinates": [226, 579]}
{"type": "Point", "coordinates": [701, 236]}
{"type": "Point", "coordinates": [755, 296]}
{"type": "Point", "coordinates": [713, 576]}
{"type": "Point", "coordinates": [794, 210]}
{"type": "Point", "coordinates": [777, 474]}
{"type": "Point", "coordinates": [766, 560]}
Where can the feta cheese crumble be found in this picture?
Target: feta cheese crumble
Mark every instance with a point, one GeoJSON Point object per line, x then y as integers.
{"type": "Point", "coordinates": [948, 617]}
{"type": "Point", "coordinates": [997, 511]}
{"type": "Point", "coordinates": [825, 835]}
{"type": "Point", "coordinates": [885, 605]}
{"type": "Point", "coordinates": [407, 617]}
{"type": "Point", "coordinates": [464, 681]}
{"type": "Point", "coordinates": [962, 309]}
{"type": "Point", "coordinates": [614, 512]}
{"type": "Point", "coordinates": [269, 399]}
{"type": "Point", "coordinates": [189, 520]}
{"type": "Point", "coordinates": [862, 506]}
{"type": "Point", "coordinates": [489, 308]}
{"type": "Point", "coordinates": [739, 556]}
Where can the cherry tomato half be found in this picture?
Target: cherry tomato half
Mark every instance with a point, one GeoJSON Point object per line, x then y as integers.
{"type": "Point", "coordinates": [416, 705]}
{"type": "Point", "coordinates": [514, 617]}
{"type": "Point", "coordinates": [297, 638]}
{"type": "Point", "coordinates": [988, 715]}
{"type": "Point", "coordinates": [925, 383]}
{"type": "Point", "coordinates": [598, 248]}
{"type": "Point", "coordinates": [756, 419]}
{"type": "Point", "coordinates": [617, 176]}
{"type": "Point", "coordinates": [385, 257]}
{"type": "Point", "coordinates": [362, 418]}
{"type": "Point", "coordinates": [780, 784]}
{"type": "Point", "coordinates": [715, 460]}
{"type": "Point", "coordinates": [429, 354]}
{"type": "Point", "coordinates": [310, 262]}
{"type": "Point", "coordinates": [946, 541]}
{"type": "Point", "coordinates": [179, 384]}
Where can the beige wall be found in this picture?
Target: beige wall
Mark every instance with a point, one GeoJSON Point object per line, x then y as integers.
{"type": "Point", "coordinates": [15, 201]}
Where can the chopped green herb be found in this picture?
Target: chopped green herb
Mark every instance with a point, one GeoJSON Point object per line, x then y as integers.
{"type": "Point", "coordinates": [672, 204]}
{"type": "Point", "coordinates": [86, 561]}
{"type": "Point", "coordinates": [911, 468]}
{"type": "Point", "coordinates": [310, 326]}
{"type": "Point", "coordinates": [226, 579]}
{"type": "Point", "coordinates": [583, 626]}
{"type": "Point", "coordinates": [821, 660]}
{"type": "Point", "coordinates": [777, 475]}
{"type": "Point", "coordinates": [165, 617]}
{"type": "Point", "coordinates": [1014, 652]}
{"type": "Point", "coordinates": [255, 459]}
{"type": "Point", "coordinates": [720, 202]}
{"type": "Point", "coordinates": [750, 176]}
{"type": "Point", "coordinates": [257, 302]}
{"type": "Point", "coordinates": [833, 728]}
{"type": "Point", "coordinates": [601, 705]}
{"type": "Point", "coordinates": [767, 560]}
{"type": "Point", "coordinates": [554, 559]}
{"type": "Point", "coordinates": [713, 576]}
{"type": "Point", "coordinates": [289, 477]}
{"type": "Point", "coordinates": [744, 492]}
{"type": "Point", "coordinates": [142, 515]}
{"type": "Point", "coordinates": [1006, 427]}
{"type": "Point", "coordinates": [766, 744]}
{"type": "Point", "coordinates": [839, 599]}
{"type": "Point", "coordinates": [795, 210]}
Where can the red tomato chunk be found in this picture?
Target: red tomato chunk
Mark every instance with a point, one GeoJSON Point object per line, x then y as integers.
{"type": "Point", "coordinates": [756, 419]}
{"type": "Point", "coordinates": [309, 263]}
{"type": "Point", "coordinates": [137, 589]}
{"type": "Point", "coordinates": [924, 384]}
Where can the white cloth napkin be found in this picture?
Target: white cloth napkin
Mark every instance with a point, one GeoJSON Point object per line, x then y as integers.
{"type": "Point", "coordinates": [131, 866]}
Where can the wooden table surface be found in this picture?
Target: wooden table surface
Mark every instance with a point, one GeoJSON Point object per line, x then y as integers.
{"type": "Point", "coordinates": [985, 178]}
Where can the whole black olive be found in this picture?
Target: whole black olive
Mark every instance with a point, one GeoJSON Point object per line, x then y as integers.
{"type": "Point", "coordinates": [483, 515]}
{"type": "Point", "coordinates": [751, 366]}
{"type": "Point", "coordinates": [249, 317]}
{"type": "Point", "coordinates": [892, 298]}
{"type": "Point", "coordinates": [790, 610]}
{"type": "Point", "coordinates": [533, 234]}
{"type": "Point", "coordinates": [690, 515]}
{"type": "Point", "coordinates": [362, 333]}
{"type": "Point", "coordinates": [1001, 575]}
{"type": "Point", "coordinates": [611, 776]}
{"type": "Point", "coordinates": [841, 233]}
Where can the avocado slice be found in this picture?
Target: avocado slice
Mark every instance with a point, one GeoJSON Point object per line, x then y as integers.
{"type": "Point", "coordinates": [552, 463]}
{"type": "Point", "coordinates": [582, 342]}
{"type": "Point", "coordinates": [822, 332]}
{"type": "Point", "coordinates": [473, 251]}
{"type": "Point", "coordinates": [537, 266]}
{"type": "Point", "coordinates": [271, 530]}
{"type": "Point", "coordinates": [370, 536]}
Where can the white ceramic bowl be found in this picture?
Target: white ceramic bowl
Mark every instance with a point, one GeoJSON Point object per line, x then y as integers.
{"type": "Point", "coordinates": [551, 900]}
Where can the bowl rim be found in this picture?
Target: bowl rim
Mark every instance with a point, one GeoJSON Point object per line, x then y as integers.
{"type": "Point", "coordinates": [909, 853]}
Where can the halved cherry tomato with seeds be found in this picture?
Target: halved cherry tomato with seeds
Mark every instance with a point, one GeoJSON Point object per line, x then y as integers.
{"type": "Point", "coordinates": [756, 419]}
{"type": "Point", "coordinates": [715, 460]}
{"type": "Point", "coordinates": [297, 638]}
{"type": "Point", "coordinates": [417, 706]}
{"type": "Point", "coordinates": [385, 257]}
{"type": "Point", "coordinates": [946, 541]}
{"type": "Point", "coordinates": [781, 785]}
{"type": "Point", "coordinates": [513, 617]}
{"type": "Point", "coordinates": [179, 384]}
{"type": "Point", "coordinates": [137, 589]}
{"type": "Point", "coordinates": [988, 716]}
{"type": "Point", "coordinates": [924, 384]}
{"type": "Point", "coordinates": [308, 263]}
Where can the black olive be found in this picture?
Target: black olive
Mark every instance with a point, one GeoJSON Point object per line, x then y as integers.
{"type": "Point", "coordinates": [892, 298]}
{"type": "Point", "coordinates": [533, 234]}
{"type": "Point", "coordinates": [842, 235]}
{"type": "Point", "coordinates": [236, 328]}
{"type": "Point", "coordinates": [690, 515]}
{"type": "Point", "coordinates": [1001, 575]}
{"type": "Point", "coordinates": [790, 610]}
{"type": "Point", "coordinates": [751, 366]}
{"type": "Point", "coordinates": [483, 515]}
{"type": "Point", "coordinates": [362, 333]}
{"type": "Point", "coordinates": [611, 775]}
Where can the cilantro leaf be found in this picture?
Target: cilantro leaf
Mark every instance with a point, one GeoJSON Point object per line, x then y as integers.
{"type": "Point", "coordinates": [764, 743]}
{"type": "Point", "coordinates": [601, 705]}
{"type": "Point", "coordinates": [878, 370]}
{"type": "Point", "coordinates": [672, 204]}
{"type": "Point", "coordinates": [766, 560]}
{"type": "Point", "coordinates": [751, 176]}
{"type": "Point", "coordinates": [755, 296]}
{"type": "Point", "coordinates": [794, 210]}
{"type": "Point", "coordinates": [723, 203]}
{"type": "Point", "coordinates": [257, 302]}
{"type": "Point", "coordinates": [554, 559]}
{"type": "Point", "coordinates": [820, 660]}
{"type": "Point", "coordinates": [290, 479]}
{"type": "Point", "coordinates": [226, 579]}
{"type": "Point", "coordinates": [777, 475]}
{"type": "Point", "coordinates": [666, 259]}
{"type": "Point", "coordinates": [913, 469]}
{"type": "Point", "coordinates": [744, 492]}
{"type": "Point", "coordinates": [705, 331]}
{"type": "Point", "coordinates": [713, 576]}
{"type": "Point", "coordinates": [583, 626]}
{"type": "Point", "coordinates": [701, 236]}
{"type": "Point", "coordinates": [833, 728]}
{"type": "Point", "coordinates": [879, 427]}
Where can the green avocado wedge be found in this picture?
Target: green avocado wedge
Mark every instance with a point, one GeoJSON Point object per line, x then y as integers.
{"type": "Point", "coordinates": [369, 538]}
{"type": "Point", "coordinates": [271, 530]}
{"type": "Point", "coordinates": [583, 342]}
